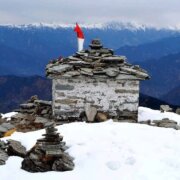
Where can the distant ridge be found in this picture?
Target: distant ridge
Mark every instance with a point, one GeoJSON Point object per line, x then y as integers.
{"type": "Point", "coordinates": [109, 25]}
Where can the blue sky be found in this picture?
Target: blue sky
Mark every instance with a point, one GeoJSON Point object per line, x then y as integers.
{"type": "Point", "coordinates": [159, 13]}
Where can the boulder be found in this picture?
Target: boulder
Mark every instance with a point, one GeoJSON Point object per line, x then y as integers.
{"type": "Point", "coordinates": [165, 108]}
{"type": "Point", "coordinates": [101, 117]}
{"type": "Point", "coordinates": [3, 157]}
{"type": "Point", "coordinates": [15, 148]}
{"type": "Point", "coordinates": [65, 163]}
{"type": "Point", "coordinates": [178, 111]}
{"type": "Point", "coordinates": [90, 113]}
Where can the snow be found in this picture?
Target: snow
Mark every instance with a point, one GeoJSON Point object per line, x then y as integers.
{"type": "Point", "coordinates": [109, 151]}
{"type": "Point", "coordinates": [145, 114]}
{"type": "Point", "coordinates": [133, 26]}
{"type": "Point", "coordinates": [8, 115]}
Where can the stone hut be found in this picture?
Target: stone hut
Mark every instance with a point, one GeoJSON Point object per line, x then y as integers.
{"type": "Point", "coordinates": [96, 78]}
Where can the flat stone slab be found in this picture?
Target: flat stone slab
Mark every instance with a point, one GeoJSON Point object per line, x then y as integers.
{"type": "Point", "coordinates": [3, 157]}
{"type": "Point", "coordinates": [15, 148]}
{"type": "Point", "coordinates": [90, 113]}
{"type": "Point", "coordinates": [113, 59]}
{"type": "Point", "coordinates": [42, 102]}
{"type": "Point", "coordinates": [60, 69]}
{"type": "Point", "coordinates": [41, 120]}
{"type": "Point", "coordinates": [27, 106]}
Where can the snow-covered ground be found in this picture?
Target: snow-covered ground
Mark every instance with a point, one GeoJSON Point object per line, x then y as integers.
{"type": "Point", "coordinates": [108, 151]}
{"type": "Point", "coordinates": [8, 115]}
{"type": "Point", "coordinates": [150, 114]}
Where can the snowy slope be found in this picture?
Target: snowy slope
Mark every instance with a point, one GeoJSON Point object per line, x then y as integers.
{"type": "Point", "coordinates": [108, 151]}
{"type": "Point", "coordinates": [133, 26]}
{"type": "Point", "coordinates": [145, 114]}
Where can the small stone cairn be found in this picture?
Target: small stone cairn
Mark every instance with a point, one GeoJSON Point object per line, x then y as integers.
{"type": "Point", "coordinates": [32, 115]}
{"type": "Point", "coordinates": [48, 154]}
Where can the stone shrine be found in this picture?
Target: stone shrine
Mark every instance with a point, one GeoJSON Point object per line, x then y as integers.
{"type": "Point", "coordinates": [97, 79]}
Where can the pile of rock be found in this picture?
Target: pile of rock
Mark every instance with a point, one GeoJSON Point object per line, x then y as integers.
{"type": "Point", "coordinates": [34, 106]}
{"type": "Point", "coordinates": [96, 61]}
{"type": "Point", "coordinates": [167, 123]}
{"type": "Point", "coordinates": [32, 115]}
{"type": "Point", "coordinates": [11, 148]}
{"type": "Point", "coordinates": [48, 154]}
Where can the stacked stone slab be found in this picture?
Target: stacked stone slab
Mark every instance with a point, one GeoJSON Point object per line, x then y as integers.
{"type": "Point", "coordinates": [32, 115]}
{"type": "Point", "coordinates": [34, 106]}
{"type": "Point", "coordinates": [48, 154]}
{"type": "Point", "coordinates": [98, 78]}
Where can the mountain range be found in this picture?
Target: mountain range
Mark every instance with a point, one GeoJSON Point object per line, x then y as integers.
{"type": "Point", "coordinates": [26, 49]}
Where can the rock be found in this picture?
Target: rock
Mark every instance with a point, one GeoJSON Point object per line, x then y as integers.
{"type": "Point", "coordinates": [178, 111]}
{"type": "Point", "coordinates": [112, 72]}
{"type": "Point", "coordinates": [27, 106]}
{"type": "Point", "coordinates": [2, 129]}
{"type": "Point", "coordinates": [3, 157]}
{"type": "Point", "coordinates": [64, 163]}
{"type": "Point", "coordinates": [74, 58]}
{"type": "Point", "coordinates": [3, 145]}
{"type": "Point", "coordinates": [72, 73]}
{"type": "Point", "coordinates": [145, 122]}
{"type": "Point", "coordinates": [90, 113]}
{"type": "Point", "coordinates": [32, 99]}
{"type": "Point", "coordinates": [41, 120]}
{"type": "Point", "coordinates": [15, 148]}
{"type": "Point", "coordinates": [8, 126]}
{"type": "Point", "coordinates": [165, 108]}
{"type": "Point", "coordinates": [101, 117]}
{"type": "Point", "coordinates": [42, 102]}
{"type": "Point", "coordinates": [177, 127]}
{"type": "Point", "coordinates": [113, 59]}
{"type": "Point", "coordinates": [164, 121]}
{"type": "Point", "coordinates": [167, 120]}
{"type": "Point", "coordinates": [125, 120]}
{"type": "Point", "coordinates": [168, 125]}
{"type": "Point", "coordinates": [6, 129]}
{"type": "Point", "coordinates": [19, 116]}
{"type": "Point", "coordinates": [60, 69]}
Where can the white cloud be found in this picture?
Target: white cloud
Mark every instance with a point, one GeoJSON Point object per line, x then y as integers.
{"type": "Point", "coordinates": [154, 12]}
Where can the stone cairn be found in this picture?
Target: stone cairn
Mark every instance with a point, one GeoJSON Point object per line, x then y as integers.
{"type": "Point", "coordinates": [48, 154]}
{"type": "Point", "coordinates": [93, 62]}
{"type": "Point", "coordinates": [32, 115]}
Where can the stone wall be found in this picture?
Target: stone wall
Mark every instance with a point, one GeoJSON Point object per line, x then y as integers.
{"type": "Point", "coordinates": [117, 97]}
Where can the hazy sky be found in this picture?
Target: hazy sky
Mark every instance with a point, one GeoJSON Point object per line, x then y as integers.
{"type": "Point", "coordinates": [153, 12]}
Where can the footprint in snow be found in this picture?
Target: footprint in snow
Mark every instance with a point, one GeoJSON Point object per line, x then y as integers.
{"type": "Point", "coordinates": [113, 165]}
{"type": "Point", "coordinates": [130, 161]}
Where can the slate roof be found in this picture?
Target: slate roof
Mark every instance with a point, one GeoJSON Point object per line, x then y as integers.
{"type": "Point", "coordinates": [93, 62]}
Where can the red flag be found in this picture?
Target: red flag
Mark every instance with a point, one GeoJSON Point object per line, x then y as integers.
{"type": "Point", "coordinates": [79, 31]}
{"type": "Point", "coordinates": [80, 37]}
